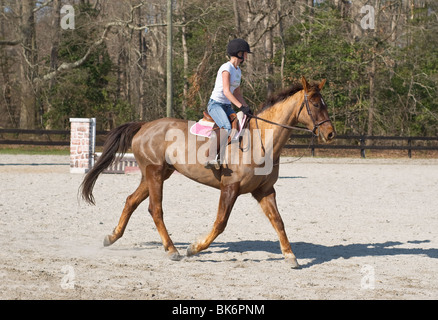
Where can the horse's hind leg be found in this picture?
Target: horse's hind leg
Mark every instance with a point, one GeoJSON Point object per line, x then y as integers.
{"type": "Point", "coordinates": [155, 175]}
{"type": "Point", "coordinates": [131, 204]}
{"type": "Point", "coordinates": [229, 194]}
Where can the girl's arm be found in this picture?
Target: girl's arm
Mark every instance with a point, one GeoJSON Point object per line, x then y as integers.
{"type": "Point", "coordinates": [236, 98]}
{"type": "Point", "coordinates": [239, 96]}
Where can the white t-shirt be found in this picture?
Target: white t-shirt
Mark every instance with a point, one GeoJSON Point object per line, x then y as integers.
{"type": "Point", "coordinates": [235, 77]}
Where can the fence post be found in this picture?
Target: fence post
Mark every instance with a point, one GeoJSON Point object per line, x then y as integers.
{"type": "Point", "coordinates": [82, 144]}
{"type": "Point", "coordinates": [409, 149]}
{"type": "Point", "coordinates": [362, 144]}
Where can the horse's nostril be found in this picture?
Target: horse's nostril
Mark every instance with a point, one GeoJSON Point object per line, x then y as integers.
{"type": "Point", "coordinates": [331, 135]}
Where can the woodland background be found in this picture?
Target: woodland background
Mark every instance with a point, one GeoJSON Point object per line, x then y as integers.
{"type": "Point", "coordinates": [112, 65]}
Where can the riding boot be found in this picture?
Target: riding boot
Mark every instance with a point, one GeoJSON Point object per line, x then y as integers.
{"type": "Point", "coordinates": [219, 138]}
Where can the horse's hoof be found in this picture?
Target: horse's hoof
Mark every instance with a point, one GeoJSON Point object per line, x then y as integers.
{"type": "Point", "coordinates": [191, 251]}
{"type": "Point", "coordinates": [175, 256]}
{"type": "Point", "coordinates": [107, 241]}
{"type": "Point", "coordinates": [295, 265]}
{"type": "Point", "coordinates": [292, 261]}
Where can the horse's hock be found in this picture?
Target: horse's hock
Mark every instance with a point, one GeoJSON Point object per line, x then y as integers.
{"type": "Point", "coordinates": [82, 144]}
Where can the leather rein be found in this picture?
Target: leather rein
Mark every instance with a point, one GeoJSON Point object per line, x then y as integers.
{"type": "Point", "coordinates": [309, 112]}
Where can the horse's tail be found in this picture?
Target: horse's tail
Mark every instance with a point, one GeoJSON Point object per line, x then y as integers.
{"type": "Point", "coordinates": [118, 141]}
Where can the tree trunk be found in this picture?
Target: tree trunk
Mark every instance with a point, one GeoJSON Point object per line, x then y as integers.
{"type": "Point", "coordinates": [56, 20]}
{"type": "Point", "coordinates": [250, 38]}
{"type": "Point", "coordinates": [169, 100]}
{"type": "Point", "coordinates": [28, 66]}
{"type": "Point", "coordinates": [371, 108]}
{"type": "Point", "coordinates": [55, 24]}
{"type": "Point", "coordinates": [269, 54]}
{"type": "Point", "coordinates": [283, 46]}
{"type": "Point", "coordinates": [185, 62]}
{"type": "Point", "coordinates": [142, 66]}
{"type": "Point", "coordinates": [236, 18]}
{"type": "Point", "coordinates": [372, 73]}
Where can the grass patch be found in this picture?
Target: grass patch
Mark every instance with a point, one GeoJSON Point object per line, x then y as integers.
{"type": "Point", "coordinates": [34, 150]}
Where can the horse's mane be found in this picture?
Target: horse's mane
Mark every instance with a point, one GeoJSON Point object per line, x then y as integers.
{"type": "Point", "coordinates": [283, 95]}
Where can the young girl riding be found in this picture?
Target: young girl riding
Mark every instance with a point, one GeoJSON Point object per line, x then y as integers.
{"type": "Point", "coordinates": [227, 91]}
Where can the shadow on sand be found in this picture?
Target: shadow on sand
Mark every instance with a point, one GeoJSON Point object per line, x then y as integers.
{"type": "Point", "coordinates": [315, 253]}
{"type": "Point", "coordinates": [318, 254]}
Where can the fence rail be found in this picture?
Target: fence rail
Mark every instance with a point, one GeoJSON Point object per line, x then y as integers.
{"type": "Point", "coordinates": [350, 142]}
{"type": "Point", "coordinates": [65, 141]}
{"type": "Point", "coordinates": [359, 142]}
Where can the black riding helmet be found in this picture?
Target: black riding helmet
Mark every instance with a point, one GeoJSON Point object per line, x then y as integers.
{"type": "Point", "coordinates": [237, 45]}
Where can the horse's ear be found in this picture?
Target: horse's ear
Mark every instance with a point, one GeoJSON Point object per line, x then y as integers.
{"type": "Point", "coordinates": [321, 84]}
{"type": "Point", "coordinates": [306, 85]}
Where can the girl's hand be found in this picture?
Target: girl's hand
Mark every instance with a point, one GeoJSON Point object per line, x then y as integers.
{"type": "Point", "coordinates": [246, 110]}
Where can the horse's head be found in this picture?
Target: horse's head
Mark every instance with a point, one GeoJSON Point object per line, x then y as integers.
{"type": "Point", "coordinates": [313, 112]}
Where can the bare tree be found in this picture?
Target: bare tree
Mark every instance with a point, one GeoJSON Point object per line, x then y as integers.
{"type": "Point", "coordinates": [28, 67]}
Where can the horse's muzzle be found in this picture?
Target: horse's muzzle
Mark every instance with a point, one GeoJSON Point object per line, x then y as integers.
{"type": "Point", "coordinates": [326, 133]}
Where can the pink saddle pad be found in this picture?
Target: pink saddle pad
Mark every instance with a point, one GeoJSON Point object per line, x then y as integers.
{"type": "Point", "coordinates": [204, 129]}
{"type": "Point", "coordinates": [200, 129]}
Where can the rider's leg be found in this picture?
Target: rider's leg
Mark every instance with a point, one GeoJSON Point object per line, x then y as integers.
{"type": "Point", "coordinates": [219, 112]}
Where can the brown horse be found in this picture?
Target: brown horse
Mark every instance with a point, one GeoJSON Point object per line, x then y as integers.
{"type": "Point", "coordinates": [165, 145]}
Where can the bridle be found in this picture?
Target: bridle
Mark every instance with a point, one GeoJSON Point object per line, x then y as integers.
{"type": "Point", "coordinates": [309, 112]}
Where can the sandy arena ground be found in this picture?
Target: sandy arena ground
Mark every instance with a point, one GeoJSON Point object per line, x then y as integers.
{"type": "Point", "coordinates": [360, 228]}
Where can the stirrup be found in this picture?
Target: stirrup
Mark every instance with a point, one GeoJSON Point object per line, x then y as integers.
{"type": "Point", "coordinates": [210, 164]}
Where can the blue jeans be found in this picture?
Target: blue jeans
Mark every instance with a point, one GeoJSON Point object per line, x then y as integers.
{"type": "Point", "coordinates": [220, 112]}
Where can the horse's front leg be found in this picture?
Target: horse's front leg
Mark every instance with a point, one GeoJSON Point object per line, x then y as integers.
{"type": "Point", "coordinates": [229, 194]}
{"type": "Point", "coordinates": [269, 205]}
